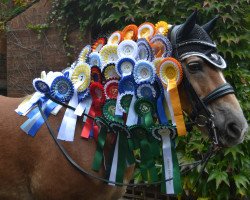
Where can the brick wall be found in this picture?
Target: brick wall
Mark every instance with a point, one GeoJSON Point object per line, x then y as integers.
{"type": "Point", "coordinates": [28, 55]}
{"type": "Point", "coordinates": [3, 49]}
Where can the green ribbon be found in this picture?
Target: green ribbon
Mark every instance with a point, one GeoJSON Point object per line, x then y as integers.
{"type": "Point", "coordinates": [102, 135]}
{"type": "Point", "coordinates": [99, 149]}
{"type": "Point", "coordinates": [176, 171]}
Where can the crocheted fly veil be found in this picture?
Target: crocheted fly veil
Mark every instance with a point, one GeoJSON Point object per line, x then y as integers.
{"type": "Point", "coordinates": [190, 39]}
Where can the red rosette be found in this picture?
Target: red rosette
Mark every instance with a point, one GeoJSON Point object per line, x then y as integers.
{"type": "Point", "coordinates": [99, 43]}
{"type": "Point", "coordinates": [111, 89]}
{"type": "Point", "coordinates": [96, 74]}
{"type": "Point", "coordinates": [97, 94]}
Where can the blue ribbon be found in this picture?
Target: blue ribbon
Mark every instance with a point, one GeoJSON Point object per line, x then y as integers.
{"type": "Point", "coordinates": [39, 122]}
{"type": "Point", "coordinates": [160, 110]}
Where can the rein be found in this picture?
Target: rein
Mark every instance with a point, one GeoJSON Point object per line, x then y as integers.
{"type": "Point", "coordinates": [212, 151]}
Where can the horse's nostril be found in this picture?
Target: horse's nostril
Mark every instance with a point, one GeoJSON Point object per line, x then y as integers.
{"type": "Point", "coordinates": [233, 130]}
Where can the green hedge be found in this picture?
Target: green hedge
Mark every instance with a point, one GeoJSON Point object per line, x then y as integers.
{"type": "Point", "coordinates": [226, 175]}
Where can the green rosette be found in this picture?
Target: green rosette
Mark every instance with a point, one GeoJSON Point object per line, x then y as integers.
{"type": "Point", "coordinates": [102, 135]}
{"type": "Point", "coordinates": [145, 109]}
{"type": "Point", "coordinates": [109, 111]}
{"type": "Point", "coordinates": [141, 136]}
{"type": "Point", "coordinates": [125, 101]}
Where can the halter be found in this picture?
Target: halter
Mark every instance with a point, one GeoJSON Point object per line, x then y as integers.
{"type": "Point", "coordinates": [200, 114]}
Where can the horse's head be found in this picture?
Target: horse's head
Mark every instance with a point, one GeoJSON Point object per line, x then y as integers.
{"type": "Point", "coordinates": [206, 96]}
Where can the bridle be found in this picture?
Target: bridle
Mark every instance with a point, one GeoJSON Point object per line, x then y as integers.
{"type": "Point", "coordinates": [200, 114]}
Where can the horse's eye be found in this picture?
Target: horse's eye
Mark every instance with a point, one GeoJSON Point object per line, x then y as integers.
{"type": "Point", "coordinates": [194, 67]}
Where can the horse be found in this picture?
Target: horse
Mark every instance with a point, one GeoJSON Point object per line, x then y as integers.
{"type": "Point", "coordinates": [34, 168]}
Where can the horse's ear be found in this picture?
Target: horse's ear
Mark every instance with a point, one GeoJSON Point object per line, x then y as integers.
{"type": "Point", "coordinates": [188, 26]}
{"type": "Point", "coordinates": [209, 26]}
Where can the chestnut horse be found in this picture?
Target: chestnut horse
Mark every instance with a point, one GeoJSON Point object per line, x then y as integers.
{"type": "Point", "coordinates": [34, 168]}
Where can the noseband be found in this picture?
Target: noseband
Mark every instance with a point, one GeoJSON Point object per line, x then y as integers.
{"type": "Point", "coordinates": [200, 114]}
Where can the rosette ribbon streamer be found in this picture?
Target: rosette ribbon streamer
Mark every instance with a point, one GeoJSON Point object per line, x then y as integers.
{"type": "Point", "coordinates": [141, 141]}
{"type": "Point", "coordinates": [170, 163]}
{"type": "Point", "coordinates": [98, 99]}
{"type": "Point", "coordinates": [170, 73]}
{"type": "Point", "coordinates": [123, 154]}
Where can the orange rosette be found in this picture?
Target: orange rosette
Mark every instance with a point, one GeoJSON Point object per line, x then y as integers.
{"type": "Point", "coordinates": [146, 30]}
{"type": "Point", "coordinates": [115, 38]}
{"type": "Point", "coordinates": [96, 47]}
{"type": "Point", "coordinates": [130, 32]}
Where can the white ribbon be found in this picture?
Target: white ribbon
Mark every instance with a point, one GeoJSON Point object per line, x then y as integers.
{"type": "Point", "coordinates": [113, 170]}
{"type": "Point", "coordinates": [82, 106]}
{"type": "Point", "coordinates": [118, 111]}
{"type": "Point", "coordinates": [67, 128]}
{"type": "Point", "coordinates": [168, 161]}
{"type": "Point", "coordinates": [170, 107]}
{"type": "Point", "coordinates": [88, 106]}
{"type": "Point", "coordinates": [132, 118]}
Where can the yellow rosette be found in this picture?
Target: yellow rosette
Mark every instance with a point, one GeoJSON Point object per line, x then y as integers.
{"type": "Point", "coordinates": [109, 53]}
{"type": "Point", "coordinates": [162, 27]}
{"type": "Point", "coordinates": [170, 73]}
{"type": "Point", "coordinates": [81, 76]}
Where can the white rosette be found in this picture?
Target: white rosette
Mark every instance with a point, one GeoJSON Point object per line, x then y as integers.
{"type": "Point", "coordinates": [84, 54]}
{"type": "Point", "coordinates": [115, 38]}
{"type": "Point", "coordinates": [127, 48]}
{"type": "Point", "coordinates": [144, 71]}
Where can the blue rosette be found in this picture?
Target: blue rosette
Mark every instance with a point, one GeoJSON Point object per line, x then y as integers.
{"type": "Point", "coordinates": [158, 87]}
{"type": "Point", "coordinates": [146, 90]}
{"type": "Point", "coordinates": [144, 71]}
{"type": "Point", "coordinates": [95, 59]}
{"type": "Point", "coordinates": [145, 51]}
{"type": "Point", "coordinates": [125, 66]}
{"type": "Point", "coordinates": [62, 89]}
{"type": "Point", "coordinates": [127, 84]}
{"type": "Point", "coordinates": [165, 43]}
{"type": "Point", "coordinates": [41, 86]}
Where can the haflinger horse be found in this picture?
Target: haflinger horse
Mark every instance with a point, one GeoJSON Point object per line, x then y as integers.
{"type": "Point", "coordinates": [34, 168]}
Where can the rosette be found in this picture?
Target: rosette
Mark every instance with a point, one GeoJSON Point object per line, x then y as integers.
{"type": "Point", "coordinates": [144, 71]}
{"type": "Point", "coordinates": [96, 75]}
{"type": "Point", "coordinates": [157, 62]}
{"type": "Point", "coordinates": [146, 90]}
{"type": "Point", "coordinates": [62, 89]}
{"type": "Point", "coordinates": [41, 86]}
{"type": "Point", "coordinates": [127, 48]}
{"type": "Point", "coordinates": [115, 38]}
{"type": "Point", "coordinates": [145, 109]}
{"type": "Point", "coordinates": [127, 83]}
{"type": "Point", "coordinates": [124, 101]}
{"type": "Point", "coordinates": [84, 55]}
{"type": "Point", "coordinates": [111, 89]}
{"type": "Point", "coordinates": [161, 46]}
{"type": "Point", "coordinates": [109, 53]}
{"type": "Point", "coordinates": [109, 71]}
{"type": "Point", "coordinates": [157, 131]}
{"type": "Point", "coordinates": [109, 111]}
{"type": "Point", "coordinates": [81, 76]}
{"type": "Point", "coordinates": [98, 99]}
{"type": "Point", "coordinates": [96, 47]}
{"type": "Point", "coordinates": [125, 66]}
{"type": "Point", "coordinates": [146, 30]}
{"type": "Point", "coordinates": [95, 59]}
{"type": "Point", "coordinates": [130, 32]}
{"type": "Point", "coordinates": [161, 27]}
{"type": "Point", "coordinates": [144, 50]}
{"type": "Point", "coordinates": [170, 69]}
